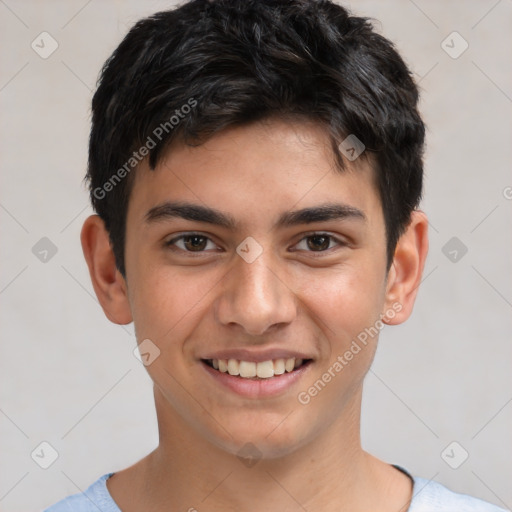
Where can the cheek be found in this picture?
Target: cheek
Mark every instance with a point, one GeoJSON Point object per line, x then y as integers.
{"type": "Point", "coordinates": [345, 301]}
{"type": "Point", "coordinates": [347, 306]}
{"type": "Point", "coordinates": [166, 301]}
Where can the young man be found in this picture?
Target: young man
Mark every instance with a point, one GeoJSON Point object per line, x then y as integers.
{"type": "Point", "coordinates": [256, 168]}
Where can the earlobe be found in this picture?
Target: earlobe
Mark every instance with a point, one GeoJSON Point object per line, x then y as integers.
{"type": "Point", "coordinates": [108, 283]}
{"type": "Point", "coordinates": [405, 274]}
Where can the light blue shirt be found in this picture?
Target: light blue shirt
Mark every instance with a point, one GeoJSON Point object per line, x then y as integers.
{"type": "Point", "coordinates": [428, 496]}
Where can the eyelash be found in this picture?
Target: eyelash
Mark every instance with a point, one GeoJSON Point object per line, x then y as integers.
{"type": "Point", "coordinates": [171, 243]}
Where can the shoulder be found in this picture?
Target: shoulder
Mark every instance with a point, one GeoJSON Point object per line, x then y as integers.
{"type": "Point", "coordinates": [430, 496]}
{"type": "Point", "coordinates": [95, 497]}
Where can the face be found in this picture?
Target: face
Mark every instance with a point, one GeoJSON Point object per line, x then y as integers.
{"type": "Point", "coordinates": [254, 247]}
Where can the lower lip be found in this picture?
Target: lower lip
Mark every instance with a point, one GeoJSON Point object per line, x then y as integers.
{"type": "Point", "coordinates": [258, 388]}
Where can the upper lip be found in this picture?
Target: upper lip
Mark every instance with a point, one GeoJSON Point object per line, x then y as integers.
{"type": "Point", "coordinates": [256, 356]}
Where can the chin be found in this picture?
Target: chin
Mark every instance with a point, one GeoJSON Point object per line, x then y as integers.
{"type": "Point", "coordinates": [263, 440]}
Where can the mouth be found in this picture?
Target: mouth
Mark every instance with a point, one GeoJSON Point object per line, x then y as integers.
{"type": "Point", "coordinates": [257, 371]}
{"type": "Point", "coordinates": [257, 380]}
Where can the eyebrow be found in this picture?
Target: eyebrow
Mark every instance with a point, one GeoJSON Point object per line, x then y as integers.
{"type": "Point", "coordinates": [198, 213]}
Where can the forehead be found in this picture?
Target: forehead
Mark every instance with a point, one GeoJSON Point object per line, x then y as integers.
{"type": "Point", "coordinates": [255, 171]}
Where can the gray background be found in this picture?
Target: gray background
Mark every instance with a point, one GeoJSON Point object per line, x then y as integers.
{"type": "Point", "coordinates": [69, 376]}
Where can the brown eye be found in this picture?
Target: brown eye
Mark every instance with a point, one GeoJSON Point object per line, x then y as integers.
{"type": "Point", "coordinates": [192, 242]}
{"type": "Point", "coordinates": [318, 242]}
{"type": "Point", "coordinates": [195, 242]}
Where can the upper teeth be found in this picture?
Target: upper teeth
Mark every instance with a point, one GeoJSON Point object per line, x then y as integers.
{"type": "Point", "coordinates": [263, 370]}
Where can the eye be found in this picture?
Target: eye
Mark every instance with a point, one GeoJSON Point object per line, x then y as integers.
{"type": "Point", "coordinates": [191, 242]}
{"type": "Point", "coordinates": [318, 242]}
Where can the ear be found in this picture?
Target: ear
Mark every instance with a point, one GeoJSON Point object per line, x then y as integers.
{"type": "Point", "coordinates": [109, 284]}
{"type": "Point", "coordinates": [404, 276]}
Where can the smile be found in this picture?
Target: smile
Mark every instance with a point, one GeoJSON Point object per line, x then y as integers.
{"type": "Point", "coordinates": [247, 381]}
{"type": "Point", "coordinates": [253, 370]}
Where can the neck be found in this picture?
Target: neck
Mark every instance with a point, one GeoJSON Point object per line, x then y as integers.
{"type": "Point", "coordinates": [187, 471]}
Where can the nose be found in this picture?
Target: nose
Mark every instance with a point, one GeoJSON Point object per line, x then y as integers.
{"type": "Point", "coordinates": [256, 297]}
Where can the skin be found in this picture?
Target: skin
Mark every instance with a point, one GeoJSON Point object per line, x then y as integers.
{"type": "Point", "coordinates": [292, 295]}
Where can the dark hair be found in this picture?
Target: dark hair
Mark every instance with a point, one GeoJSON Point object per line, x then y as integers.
{"type": "Point", "coordinates": [192, 71]}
